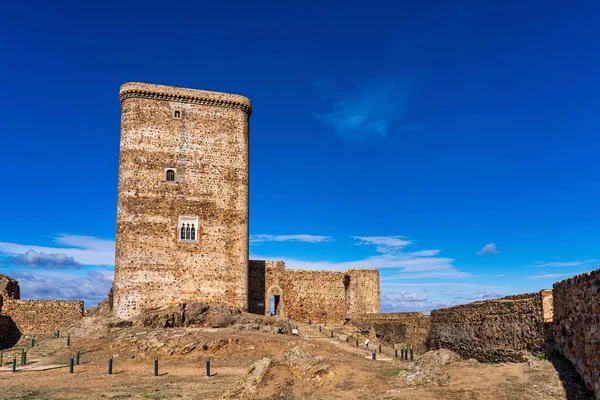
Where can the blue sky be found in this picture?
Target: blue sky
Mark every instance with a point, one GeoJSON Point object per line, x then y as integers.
{"type": "Point", "coordinates": [451, 144]}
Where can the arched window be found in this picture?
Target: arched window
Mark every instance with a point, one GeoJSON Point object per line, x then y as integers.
{"type": "Point", "coordinates": [177, 114]}
{"type": "Point", "coordinates": [170, 175]}
{"type": "Point", "coordinates": [188, 229]}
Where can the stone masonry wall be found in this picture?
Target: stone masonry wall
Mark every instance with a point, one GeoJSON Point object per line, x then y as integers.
{"type": "Point", "coordinates": [9, 288]}
{"type": "Point", "coordinates": [490, 330]}
{"type": "Point", "coordinates": [42, 316]}
{"type": "Point", "coordinates": [315, 296]}
{"type": "Point", "coordinates": [364, 292]}
{"type": "Point", "coordinates": [577, 325]}
{"type": "Point", "coordinates": [409, 328]}
{"type": "Point", "coordinates": [203, 137]}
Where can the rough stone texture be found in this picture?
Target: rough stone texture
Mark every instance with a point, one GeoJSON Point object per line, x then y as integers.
{"type": "Point", "coordinates": [187, 314]}
{"type": "Point", "coordinates": [208, 147]}
{"type": "Point", "coordinates": [42, 316]}
{"type": "Point", "coordinates": [312, 296]}
{"type": "Point", "coordinates": [492, 330]}
{"type": "Point", "coordinates": [9, 288]}
{"type": "Point", "coordinates": [577, 325]}
{"type": "Point", "coordinates": [410, 328]}
{"type": "Point", "coordinates": [547, 305]}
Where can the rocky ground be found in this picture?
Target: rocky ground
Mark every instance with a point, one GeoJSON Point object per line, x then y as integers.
{"type": "Point", "coordinates": [255, 357]}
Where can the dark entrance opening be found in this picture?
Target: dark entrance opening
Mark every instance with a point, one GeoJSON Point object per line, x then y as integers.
{"type": "Point", "coordinates": [275, 308]}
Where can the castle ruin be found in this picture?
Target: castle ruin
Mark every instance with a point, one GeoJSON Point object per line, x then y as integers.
{"type": "Point", "coordinates": [182, 218]}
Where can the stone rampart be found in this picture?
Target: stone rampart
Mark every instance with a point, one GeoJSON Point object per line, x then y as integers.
{"type": "Point", "coordinates": [577, 325]}
{"type": "Point", "coordinates": [312, 296]}
{"type": "Point", "coordinates": [41, 316]}
{"type": "Point", "coordinates": [491, 330]}
{"type": "Point", "coordinates": [409, 328]}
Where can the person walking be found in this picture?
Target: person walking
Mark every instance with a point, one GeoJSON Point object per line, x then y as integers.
{"type": "Point", "coordinates": [367, 343]}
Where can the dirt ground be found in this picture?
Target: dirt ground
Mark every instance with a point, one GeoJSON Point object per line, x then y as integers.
{"type": "Point", "coordinates": [333, 368]}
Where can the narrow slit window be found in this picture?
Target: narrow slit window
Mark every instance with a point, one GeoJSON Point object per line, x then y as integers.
{"type": "Point", "coordinates": [182, 236]}
{"type": "Point", "coordinates": [177, 114]}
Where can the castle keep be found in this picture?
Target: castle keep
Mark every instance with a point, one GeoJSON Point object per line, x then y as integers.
{"type": "Point", "coordinates": [182, 218]}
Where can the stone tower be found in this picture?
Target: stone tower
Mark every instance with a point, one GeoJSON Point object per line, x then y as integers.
{"type": "Point", "coordinates": [182, 218]}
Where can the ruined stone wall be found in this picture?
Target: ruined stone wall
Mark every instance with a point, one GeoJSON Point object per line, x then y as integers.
{"type": "Point", "coordinates": [363, 291]}
{"type": "Point", "coordinates": [577, 325]}
{"type": "Point", "coordinates": [490, 330]}
{"type": "Point", "coordinates": [313, 296]}
{"type": "Point", "coordinates": [409, 328]}
{"type": "Point", "coordinates": [203, 137]}
{"type": "Point", "coordinates": [42, 316]}
{"type": "Point", "coordinates": [9, 288]}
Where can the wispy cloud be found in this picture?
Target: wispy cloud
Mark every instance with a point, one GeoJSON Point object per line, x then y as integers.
{"type": "Point", "coordinates": [371, 109]}
{"type": "Point", "coordinates": [489, 248]}
{"type": "Point", "coordinates": [384, 243]}
{"type": "Point", "coordinates": [85, 250]}
{"type": "Point", "coordinates": [289, 238]}
{"type": "Point", "coordinates": [33, 259]}
{"type": "Point", "coordinates": [562, 263]}
{"type": "Point", "coordinates": [429, 296]}
{"type": "Point", "coordinates": [410, 265]}
{"type": "Point", "coordinates": [92, 287]}
{"type": "Point", "coordinates": [549, 276]}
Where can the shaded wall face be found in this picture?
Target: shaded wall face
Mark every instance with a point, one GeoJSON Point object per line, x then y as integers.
{"type": "Point", "coordinates": [577, 325]}
{"type": "Point", "coordinates": [9, 332]}
{"type": "Point", "coordinates": [42, 316]}
{"type": "Point", "coordinates": [490, 330]}
{"type": "Point", "coordinates": [208, 149]}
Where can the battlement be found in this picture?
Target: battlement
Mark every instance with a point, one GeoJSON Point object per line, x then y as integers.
{"type": "Point", "coordinates": [192, 96]}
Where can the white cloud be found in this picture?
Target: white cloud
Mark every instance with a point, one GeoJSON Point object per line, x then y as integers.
{"type": "Point", "coordinates": [548, 276]}
{"type": "Point", "coordinates": [385, 243]}
{"type": "Point", "coordinates": [33, 259]}
{"type": "Point", "coordinates": [85, 250]}
{"type": "Point", "coordinates": [403, 297]}
{"type": "Point", "coordinates": [92, 287]}
{"type": "Point", "coordinates": [410, 265]}
{"type": "Point", "coordinates": [489, 248]}
{"type": "Point", "coordinates": [563, 263]}
{"type": "Point", "coordinates": [289, 238]}
{"type": "Point", "coordinates": [370, 110]}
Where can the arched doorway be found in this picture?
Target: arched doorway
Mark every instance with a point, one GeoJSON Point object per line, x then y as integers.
{"type": "Point", "coordinates": [274, 301]}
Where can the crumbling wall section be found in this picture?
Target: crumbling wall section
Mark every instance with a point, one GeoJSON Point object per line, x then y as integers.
{"type": "Point", "coordinates": [409, 328]}
{"type": "Point", "coordinates": [42, 316]}
{"type": "Point", "coordinates": [491, 330]}
{"type": "Point", "coordinates": [363, 291]}
{"type": "Point", "coordinates": [312, 296]}
{"type": "Point", "coordinates": [577, 325]}
{"type": "Point", "coordinates": [9, 288]}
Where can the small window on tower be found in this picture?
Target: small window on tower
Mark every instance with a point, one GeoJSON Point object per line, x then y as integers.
{"type": "Point", "coordinates": [177, 114]}
{"type": "Point", "coordinates": [170, 175]}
